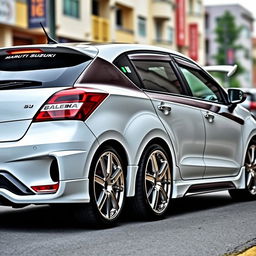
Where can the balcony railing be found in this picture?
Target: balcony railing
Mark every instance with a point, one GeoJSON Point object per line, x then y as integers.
{"type": "Point", "coordinates": [163, 43]}
{"type": "Point", "coordinates": [124, 35]}
{"type": "Point", "coordinates": [100, 29]}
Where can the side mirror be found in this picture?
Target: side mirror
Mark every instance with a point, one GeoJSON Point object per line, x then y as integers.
{"type": "Point", "coordinates": [236, 96]}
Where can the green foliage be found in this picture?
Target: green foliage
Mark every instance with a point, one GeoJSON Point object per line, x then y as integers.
{"type": "Point", "coordinates": [227, 33]}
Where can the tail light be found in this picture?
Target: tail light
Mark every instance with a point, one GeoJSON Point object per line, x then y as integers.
{"type": "Point", "coordinates": [74, 104]}
{"type": "Point", "coordinates": [252, 105]}
{"type": "Point", "coordinates": [47, 189]}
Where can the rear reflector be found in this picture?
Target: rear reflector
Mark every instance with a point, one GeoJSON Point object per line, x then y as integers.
{"type": "Point", "coordinates": [53, 188]}
{"type": "Point", "coordinates": [71, 104]}
{"type": "Point", "coordinates": [24, 51]}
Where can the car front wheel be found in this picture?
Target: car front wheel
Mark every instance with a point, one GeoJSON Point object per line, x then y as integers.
{"type": "Point", "coordinates": [249, 193]}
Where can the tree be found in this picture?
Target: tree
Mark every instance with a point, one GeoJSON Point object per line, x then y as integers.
{"type": "Point", "coordinates": [227, 34]}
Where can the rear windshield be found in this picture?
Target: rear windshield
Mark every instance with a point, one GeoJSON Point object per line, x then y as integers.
{"type": "Point", "coordinates": [40, 67]}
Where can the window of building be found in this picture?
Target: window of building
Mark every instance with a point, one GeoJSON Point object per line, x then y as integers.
{"type": "Point", "coordinates": [142, 26]}
{"type": "Point", "coordinates": [246, 54]}
{"type": "Point", "coordinates": [170, 35]}
{"type": "Point", "coordinates": [95, 7]}
{"type": "Point", "coordinates": [158, 29]}
{"type": "Point", "coordinates": [206, 20]}
{"type": "Point", "coordinates": [124, 18]}
{"type": "Point", "coordinates": [191, 6]}
{"type": "Point", "coordinates": [246, 32]}
{"type": "Point", "coordinates": [71, 8]}
{"type": "Point", "coordinates": [119, 17]}
{"type": "Point", "coordinates": [207, 46]}
{"type": "Point", "coordinates": [158, 76]}
{"type": "Point", "coordinates": [198, 7]}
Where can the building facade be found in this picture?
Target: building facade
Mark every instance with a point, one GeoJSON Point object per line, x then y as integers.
{"type": "Point", "coordinates": [190, 29]}
{"type": "Point", "coordinates": [14, 24]}
{"type": "Point", "coordinates": [156, 22]}
{"type": "Point", "coordinates": [254, 61]}
{"type": "Point", "coordinates": [243, 19]}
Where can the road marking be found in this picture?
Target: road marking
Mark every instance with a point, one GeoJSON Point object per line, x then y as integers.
{"type": "Point", "coordinates": [249, 252]}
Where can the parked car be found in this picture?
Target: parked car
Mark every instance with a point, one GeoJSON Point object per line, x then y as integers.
{"type": "Point", "coordinates": [92, 125]}
{"type": "Point", "coordinates": [250, 102]}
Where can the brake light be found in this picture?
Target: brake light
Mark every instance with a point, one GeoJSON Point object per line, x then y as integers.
{"type": "Point", "coordinates": [71, 104]}
{"type": "Point", "coordinates": [53, 188]}
{"type": "Point", "coordinates": [252, 105]}
{"type": "Point", "coordinates": [24, 51]}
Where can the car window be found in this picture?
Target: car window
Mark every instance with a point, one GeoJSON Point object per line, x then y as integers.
{"type": "Point", "coordinates": [41, 67]}
{"type": "Point", "coordinates": [124, 64]}
{"type": "Point", "coordinates": [158, 76]}
{"type": "Point", "coordinates": [200, 86]}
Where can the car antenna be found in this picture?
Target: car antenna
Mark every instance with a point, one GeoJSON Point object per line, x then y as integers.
{"type": "Point", "coordinates": [49, 39]}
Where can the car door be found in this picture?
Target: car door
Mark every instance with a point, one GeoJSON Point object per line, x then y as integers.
{"type": "Point", "coordinates": [223, 126]}
{"type": "Point", "coordinates": [183, 122]}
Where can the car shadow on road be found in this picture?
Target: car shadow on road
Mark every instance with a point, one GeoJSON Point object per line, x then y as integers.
{"type": "Point", "coordinates": [46, 219]}
{"type": "Point", "coordinates": [201, 202]}
{"type": "Point", "coordinates": [38, 219]}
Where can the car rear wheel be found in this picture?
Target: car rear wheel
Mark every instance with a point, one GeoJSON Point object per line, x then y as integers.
{"type": "Point", "coordinates": [107, 189]}
{"type": "Point", "coordinates": [153, 185]}
{"type": "Point", "coordinates": [249, 193]}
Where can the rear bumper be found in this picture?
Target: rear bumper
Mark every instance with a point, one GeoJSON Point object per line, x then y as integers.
{"type": "Point", "coordinates": [29, 162]}
{"type": "Point", "coordinates": [72, 191]}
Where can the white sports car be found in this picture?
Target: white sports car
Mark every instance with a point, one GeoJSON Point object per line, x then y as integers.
{"type": "Point", "coordinates": [91, 125]}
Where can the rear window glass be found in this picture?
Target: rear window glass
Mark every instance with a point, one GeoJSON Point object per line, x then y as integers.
{"type": "Point", "coordinates": [40, 67]}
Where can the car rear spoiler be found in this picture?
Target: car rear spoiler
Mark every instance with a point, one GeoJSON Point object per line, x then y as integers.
{"type": "Point", "coordinates": [229, 69]}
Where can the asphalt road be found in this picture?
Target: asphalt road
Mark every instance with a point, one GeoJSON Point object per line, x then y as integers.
{"type": "Point", "coordinates": [200, 225]}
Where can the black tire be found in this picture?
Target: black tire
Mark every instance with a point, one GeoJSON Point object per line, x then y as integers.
{"type": "Point", "coordinates": [249, 193]}
{"type": "Point", "coordinates": [107, 191]}
{"type": "Point", "coordinates": [153, 190]}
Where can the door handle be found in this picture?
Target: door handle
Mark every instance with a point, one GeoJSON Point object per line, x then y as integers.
{"type": "Point", "coordinates": [209, 117]}
{"type": "Point", "coordinates": [165, 108]}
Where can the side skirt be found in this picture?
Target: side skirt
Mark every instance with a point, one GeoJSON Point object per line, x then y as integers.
{"type": "Point", "coordinates": [189, 187]}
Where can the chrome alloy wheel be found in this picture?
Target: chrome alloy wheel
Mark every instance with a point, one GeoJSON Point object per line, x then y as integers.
{"type": "Point", "coordinates": [109, 185]}
{"type": "Point", "coordinates": [250, 165]}
{"type": "Point", "coordinates": [158, 181]}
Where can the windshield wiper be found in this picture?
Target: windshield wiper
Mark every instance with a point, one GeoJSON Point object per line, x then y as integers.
{"type": "Point", "coordinates": [18, 84]}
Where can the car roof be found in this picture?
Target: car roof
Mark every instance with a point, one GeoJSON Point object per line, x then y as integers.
{"type": "Point", "coordinates": [112, 51]}
{"type": "Point", "coordinates": [106, 51]}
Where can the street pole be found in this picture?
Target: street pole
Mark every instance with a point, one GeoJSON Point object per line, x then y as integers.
{"type": "Point", "coordinates": [51, 18]}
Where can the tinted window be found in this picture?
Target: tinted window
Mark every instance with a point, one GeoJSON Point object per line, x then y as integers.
{"type": "Point", "coordinates": [15, 59]}
{"type": "Point", "coordinates": [125, 66]}
{"type": "Point", "coordinates": [44, 67]}
{"type": "Point", "coordinates": [200, 86]}
{"type": "Point", "coordinates": [158, 76]}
